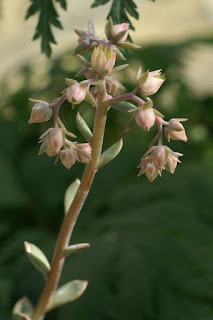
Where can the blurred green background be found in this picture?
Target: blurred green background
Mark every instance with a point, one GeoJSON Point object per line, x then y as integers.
{"type": "Point", "coordinates": [151, 254]}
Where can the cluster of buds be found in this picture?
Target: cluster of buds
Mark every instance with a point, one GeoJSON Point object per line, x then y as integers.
{"type": "Point", "coordinates": [99, 72]}
{"type": "Point", "coordinates": [156, 159]}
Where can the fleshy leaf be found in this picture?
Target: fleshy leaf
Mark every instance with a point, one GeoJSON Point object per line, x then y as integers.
{"type": "Point", "coordinates": [37, 258]}
{"type": "Point", "coordinates": [128, 45]}
{"type": "Point", "coordinates": [70, 194]}
{"type": "Point", "coordinates": [119, 68]}
{"type": "Point", "coordinates": [131, 124]}
{"type": "Point", "coordinates": [83, 128]}
{"type": "Point", "coordinates": [90, 99]}
{"type": "Point", "coordinates": [68, 293]}
{"type": "Point", "coordinates": [23, 309]}
{"type": "Point", "coordinates": [75, 248]}
{"type": "Point", "coordinates": [125, 106]}
{"type": "Point", "coordinates": [109, 29]}
{"type": "Point", "coordinates": [110, 153]}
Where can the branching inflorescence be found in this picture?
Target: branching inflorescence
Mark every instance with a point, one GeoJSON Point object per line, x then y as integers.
{"type": "Point", "coordinates": [102, 91]}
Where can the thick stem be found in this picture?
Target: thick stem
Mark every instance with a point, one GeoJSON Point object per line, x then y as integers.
{"type": "Point", "coordinates": [72, 215]}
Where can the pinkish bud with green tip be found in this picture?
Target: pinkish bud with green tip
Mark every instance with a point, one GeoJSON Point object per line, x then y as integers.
{"type": "Point", "coordinates": [55, 138]}
{"type": "Point", "coordinates": [150, 82]}
{"type": "Point", "coordinates": [159, 156]}
{"type": "Point", "coordinates": [175, 130]}
{"type": "Point", "coordinates": [68, 157]}
{"type": "Point", "coordinates": [145, 116]}
{"type": "Point", "coordinates": [148, 167]}
{"type": "Point", "coordinates": [103, 60]}
{"type": "Point", "coordinates": [84, 152]}
{"type": "Point", "coordinates": [77, 92]}
{"type": "Point", "coordinates": [121, 28]}
{"type": "Point", "coordinates": [41, 112]}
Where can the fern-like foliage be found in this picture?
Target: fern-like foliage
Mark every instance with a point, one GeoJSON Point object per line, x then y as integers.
{"type": "Point", "coordinates": [120, 9]}
{"type": "Point", "coordinates": [48, 17]}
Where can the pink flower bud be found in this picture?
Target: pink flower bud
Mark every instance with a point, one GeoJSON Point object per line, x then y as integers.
{"type": "Point", "coordinates": [175, 130]}
{"type": "Point", "coordinates": [145, 117]}
{"type": "Point", "coordinates": [103, 60]}
{"type": "Point", "coordinates": [68, 157]}
{"type": "Point", "coordinates": [148, 167]}
{"type": "Point", "coordinates": [119, 28]}
{"type": "Point", "coordinates": [159, 156]}
{"type": "Point", "coordinates": [45, 147]}
{"type": "Point", "coordinates": [84, 152]}
{"type": "Point", "coordinates": [76, 93]}
{"type": "Point", "coordinates": [40, 112]}
{"type": "Point", "coordinates": [56, 139]}
{"type": "Point", "coordinates": [153, 83]}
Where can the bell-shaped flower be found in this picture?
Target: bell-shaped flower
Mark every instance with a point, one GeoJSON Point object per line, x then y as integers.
{"type": "Point", "coordinates": [175, 130]}
{"type": "Point", "coordinates": [145, 116]}
{"type": "Point", "coordinates": [148, 167]}
{"type": "Point", "coordinates": [121, 31]}
{"type": "Point", "coordinates": [52, 141]}
{"type": "Point", "coordinates": [150, 82]}
{"type": "Point", "coordinates": [41, 112]}
{"type": "Point", "coordinates": [113, 86]}
{"type": "Point", "coordinates": [159, 156]}
{"type": "Point", "coordinates": [103, 60]}
{"type": "Point", "coordinates": [68, 157]}
{"type": "Point", "coordinates": [76, 93]}
{"type": "Point", "coordinates": [84, 152]}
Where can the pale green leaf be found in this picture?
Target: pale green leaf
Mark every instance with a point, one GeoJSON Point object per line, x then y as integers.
{"type": "Point", "coordinates": [90, 99]}
{"type": "Point", "coordinates": [131, 124]}
{"type": "Point", "coordinates": [37, 258]}
{"type": "Point", "coordinates": [83, 128]}
{"type": "Point", "coordinates": [70, 194]}
{"type": "Point", "coordinates": [68, 293]}
{"type": "Point", "coordinates": [110, 153]}
{"type": "Point", "coordinates": [125, 106]}
{"type": "Point", "coordinates": [23, 309]}
{"type": "Point", "coordinates": [75, 248]}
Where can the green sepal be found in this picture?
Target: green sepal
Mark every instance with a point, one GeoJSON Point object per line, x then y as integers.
{"type": "Point", "coordinates": [84, 45]}
{"type": "Point", "coordinates": [119, 68]}
{"type": "Point", "coordinates": [142, 79]}
{"type": "Point", "coordinates": [91, 28]}
{"type": "Point", "coordinates": [120, 35]}
{"type": "Point", "coordinates": [37, 258]}
{"type": "Point", "coordinates": [75, 248]}
{"type": "Point", "coordinates": [110, 153]}
{"type": "Point", "coordinates": [125, 106]}
{"type": "Point", "coordinates": [83, 128]}
{"type": "Point", "coordinates": [128, 45]}
{"type": "Point", "coordinates": [131, 124]}
{"type": "Point", "coordinates": [119, 55]}
{"type": "Point", "coordinates": [70, 82]}
{"type": "Point", "coordinates": [70, 194]}
{"type": "Point", "coordinates": [157, 113]}
{"type": "Point", "coordinates": [90, 99]}
{"type": "Point", "coordinates": [23, 309]}
{"type": "Point", "coordinates": [67, 293]}
{"type": "Point", "coordinates": [84, 60]}
{"type": "Point", "coordinates": [109, 29]}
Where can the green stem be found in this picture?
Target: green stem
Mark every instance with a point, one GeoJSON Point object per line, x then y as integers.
{"type": "Point", "coordinates": [72, 215]}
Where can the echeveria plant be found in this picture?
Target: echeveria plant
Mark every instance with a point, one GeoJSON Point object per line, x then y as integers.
{"type": "Point", "coordinates": [102, 91]}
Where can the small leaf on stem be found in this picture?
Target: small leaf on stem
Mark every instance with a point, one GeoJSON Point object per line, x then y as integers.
{"type": "Point", "coordinates": [75, 248]}
{"type": "Point", "coordinates": [23, 309]}
{"type": "Point", "coordinates": [125, 106]}
{"type": "Point", "coordinates": [70, 194]}
{"type": "Point", "coordinates": [131, 124]}
{"type": "Point", "coordinates": [83, 128]}
{"type": "Point", "coordinates": [37, 258]}
{"type": "Point", "coordinates": [67, 293]}
{"type": "Point", "coordinates": [110, 153]}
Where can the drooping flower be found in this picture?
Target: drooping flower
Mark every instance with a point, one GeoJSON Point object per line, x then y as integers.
{"type": "Point", "coordinates": [175, 130]}
{"type": "Point", "coordinates": [41, 112]}
{"type": "Point", "coordinates": [150, 82]}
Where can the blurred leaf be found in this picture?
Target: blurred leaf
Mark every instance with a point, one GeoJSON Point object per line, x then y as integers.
{"type": "Point", "coordinates": [23, 306]}
{"type": "Point", "coordinates": [37, 258]}
{"type": "Point", "coordinates": [70, 194]}
{"type": "Point", "coordinates": [48, 17]}
{"type": "Point", "coordinates": [124, 106]}
{"type": "Point", "coordinates": [75, 248]}
{"type": "Point", "coordinates": [68, 293]}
